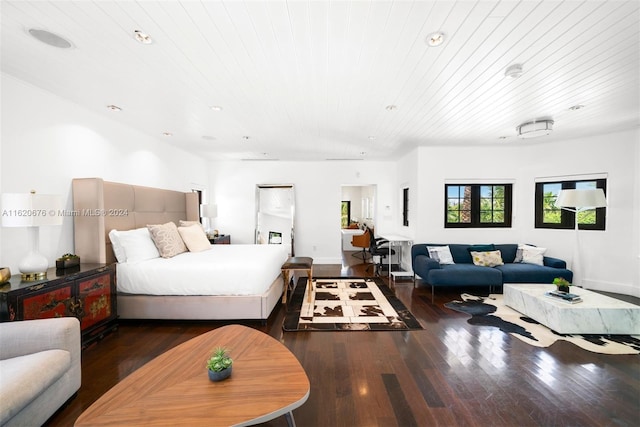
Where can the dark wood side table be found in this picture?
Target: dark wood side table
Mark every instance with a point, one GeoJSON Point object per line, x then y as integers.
{"type": "Point", "coordinates": [87, 292]}
{"type": "Point", "coordinates": [223, 239]}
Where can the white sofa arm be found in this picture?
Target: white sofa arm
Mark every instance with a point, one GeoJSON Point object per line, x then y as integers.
{"type": "Point", "coordinates": [24, 337]}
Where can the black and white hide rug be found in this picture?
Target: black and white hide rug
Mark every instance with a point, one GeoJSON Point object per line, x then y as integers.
{"type": "Point", "coordinates": [491, 311]}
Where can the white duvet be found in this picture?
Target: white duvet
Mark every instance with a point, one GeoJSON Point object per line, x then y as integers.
{"type": "Point", "coordinates": [222, 270]}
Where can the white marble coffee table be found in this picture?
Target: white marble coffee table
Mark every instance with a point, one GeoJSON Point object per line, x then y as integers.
{"type": "Point", "coordinates": [596, 314]}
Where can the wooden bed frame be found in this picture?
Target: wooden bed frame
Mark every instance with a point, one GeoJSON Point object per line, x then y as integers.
{"type": "Point", "coordinates": [102, 206]}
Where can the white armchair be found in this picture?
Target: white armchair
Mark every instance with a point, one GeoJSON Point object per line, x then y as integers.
{"type": "Point", "coordinates": [39, 368]}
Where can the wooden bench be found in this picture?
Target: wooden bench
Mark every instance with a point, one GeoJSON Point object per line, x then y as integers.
{"type": "Point", "coordinates": [297, 264]}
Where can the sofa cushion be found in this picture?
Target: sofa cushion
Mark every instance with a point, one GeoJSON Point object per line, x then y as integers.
{"type": "Point", "coordinates": [508, 251]}
{"type": "Point", "coordinates": [532, 273]}
{"type": "Point", "coordinates": [25, 377]}
{"type": "Point", "coordinates": [464, 275]}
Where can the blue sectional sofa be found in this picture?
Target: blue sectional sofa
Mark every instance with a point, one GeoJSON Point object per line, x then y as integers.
{"type": "Point", "coordinates": [465, 273]}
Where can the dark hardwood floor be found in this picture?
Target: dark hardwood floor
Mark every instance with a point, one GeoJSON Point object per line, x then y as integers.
{"type": "Point", "coordinates": [449, 374]}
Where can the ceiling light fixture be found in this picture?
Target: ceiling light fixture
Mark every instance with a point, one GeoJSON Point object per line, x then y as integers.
{"type": "Point", "coordinates": [435, 39]}
{"type": "Point", "coordinates": [114, 107]}
{"type": "Point", "coordinates": [49, 38]}
{"type": "Point", "coordinates": [167, 133]}
{"type": "Point", "coordinates": [391, 107]}
{"type": "Point", "coordinates": [246, 137]}
{"type": "Point", "coordinates": [535, 128]}
{"type": "Point", "coordinates": [142, 37]}
{"type": "Point", "coordinates": [216, 108]}
{"type": "Point", "coordinates": [209, 137]}
{"type": "Point", "coordinates": [513, 71]}
{"type": "Point", "coordinates": [576, 107]}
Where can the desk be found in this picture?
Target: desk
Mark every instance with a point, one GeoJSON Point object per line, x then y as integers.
{"type": "Point", "coordinates": [347, 235]}
{"type": "Point", "coordinates": [174, 389]}
{"type": "Point", "coordinates": [399, 241]}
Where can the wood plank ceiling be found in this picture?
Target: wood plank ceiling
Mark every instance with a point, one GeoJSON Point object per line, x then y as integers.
{"type": "Point", "coordinates": [313, 80]}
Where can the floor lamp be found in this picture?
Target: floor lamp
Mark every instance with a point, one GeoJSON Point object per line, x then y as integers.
{"type": "Point", "coordinates": [32, 210]}
{"type": "Point", "coordinates": [577, 201]}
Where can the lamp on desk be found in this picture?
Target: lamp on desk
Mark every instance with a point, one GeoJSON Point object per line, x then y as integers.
{"type": "Point", "coordinates": [31, 210]}
{"type": "Point", "coordinates": [210, 212]}
{"type": "Point", "coordinates": [577, 201]}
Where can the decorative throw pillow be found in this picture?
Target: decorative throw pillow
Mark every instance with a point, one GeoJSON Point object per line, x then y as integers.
{"type": "Point", "coordinates": [442, 254]}
{"type": "Point", "coordinates": [487, 259]}
{"type": "Point", "coordinates": [194, 237]}
{"type": "Point", "coordinates": [533, 255]}
{"type": "Point", "coordinates": [167, 239]}
{"type": "Point", "coordinates": [521, 246]}
{"type": "Point", "coordinates": [184, 223]}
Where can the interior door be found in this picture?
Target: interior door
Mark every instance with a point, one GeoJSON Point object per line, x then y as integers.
{"type": "Point", "coordinates": [275, 210]}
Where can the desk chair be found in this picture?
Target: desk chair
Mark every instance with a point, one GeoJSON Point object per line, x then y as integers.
{"type": "Point", "coordinates": [378, 248]}
{"type": "Point", "coordinates": [361, 241]}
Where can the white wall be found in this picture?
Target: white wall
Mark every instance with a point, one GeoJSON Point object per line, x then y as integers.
{"type": "Point", "coordinates": [47, 141]}
{"type": "Point", "coordinates": [609, 259]}
{"type": "Point", "coordinates": [318, 193]}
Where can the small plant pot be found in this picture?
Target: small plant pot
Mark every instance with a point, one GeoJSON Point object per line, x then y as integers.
{"type": "Point", "coordinates": [563, 288]}
{"type": "Point", "coordinates": [220, 375]}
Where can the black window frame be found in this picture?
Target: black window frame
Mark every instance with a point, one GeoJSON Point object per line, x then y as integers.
{"type": "Point", "coordinates": [567, 218]}
{"type": "Point", "coordinates": [475, 207]}
{"type": "Point", "coordinates": [405, 206]}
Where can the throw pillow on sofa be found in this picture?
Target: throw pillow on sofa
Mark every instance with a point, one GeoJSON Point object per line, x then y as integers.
{"type": "Point", "coordinates": [442, 254]}
{"type": "Point", "coordinates": [487, 258]}
{"type": "Point", "coordinates": [532, 255]}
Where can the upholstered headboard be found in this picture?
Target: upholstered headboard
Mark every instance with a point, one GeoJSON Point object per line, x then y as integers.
{"type": "Point", "coordinates": [100, 207]}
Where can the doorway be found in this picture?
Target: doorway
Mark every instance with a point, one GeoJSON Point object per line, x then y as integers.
{"type": "Point", "coordinates": [361, 201]}
{"type": "Point", "coordinates": [275, 210]}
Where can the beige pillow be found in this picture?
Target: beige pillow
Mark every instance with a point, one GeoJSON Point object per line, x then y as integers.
{"type": "Point", "coordinates": [487, 259]}
{"type": "Point", "coordinates": [184, 223]}
{"type": "Point", "coordinates": [194, 237]}
{"type": "Point", "coordinates": [167, 239]}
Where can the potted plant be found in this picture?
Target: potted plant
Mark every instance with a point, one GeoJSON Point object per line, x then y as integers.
{"type": "Point", "coordinates": [219, 364]}
{"type": "Point", "coordinates": [561, 284]}
{"type": "Point", "coordinates": [67, 261]}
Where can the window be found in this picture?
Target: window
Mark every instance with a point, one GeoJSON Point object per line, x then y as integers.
{"type": "Point", "coordinates": [345, 213]}
{"type": "Point", "coordinates": [477, 205]}
{"type": "Point", "coordinates": [405, 207]}
{"type": "Point", "coordinates": [550, 216]}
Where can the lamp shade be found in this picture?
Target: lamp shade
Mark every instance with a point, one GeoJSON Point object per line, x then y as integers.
{"type": "Point", "coordinates": [30, 209]}
{"type": "Point", "coordinates": [209, 211]}
{"type": "Point", "coordinates": [581, 199]}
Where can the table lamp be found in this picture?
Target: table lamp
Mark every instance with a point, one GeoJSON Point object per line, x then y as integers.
{"type": "Point", "coordinates": [577, 201]}
{"type": "Point", "coordinates": [210, 212]}
{"type": "Point", "coordinates": [31, 210]}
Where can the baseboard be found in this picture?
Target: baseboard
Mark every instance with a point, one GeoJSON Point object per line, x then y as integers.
{"type": "Point", "coordinates": [618, 288]}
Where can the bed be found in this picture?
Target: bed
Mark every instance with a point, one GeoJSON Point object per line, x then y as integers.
{"type": "Point", "coordinates": [223, 282]}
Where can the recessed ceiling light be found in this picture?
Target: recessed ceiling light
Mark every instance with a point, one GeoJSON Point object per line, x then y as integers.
{"type": "Point", "coordinates": [114, 107]}
{"type": "Point", "coordinates": [435, 39]}
{"type": "Point", "coordinates": [167, 133]}
{"type": "Point", "coordinates": [513, 71]}
{"type": "Point", "coordinates": [49, 38]}
{"type": "Point", "coordinates": [576, 107]}
{"type": "Point", "coordinates": [216, 108]}
{"type": "Point", "coordinates": [371, 137]}
{"type": "Point", "coordinates": [245, 137]}
{"type": "Point", "coordinates": [391, 107]}
{"type": "Point", "coordinates": [208, 137]}
{"type": "Point", "coordinates": [363, 153]}
{"type": "Point", "coordinates": [142, 37]}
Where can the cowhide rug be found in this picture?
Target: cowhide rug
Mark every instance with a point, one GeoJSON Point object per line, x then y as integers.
{"type": "Point", "coordinates": [491, 311]}
{"type": "Point", "coordinates": [347, 304]}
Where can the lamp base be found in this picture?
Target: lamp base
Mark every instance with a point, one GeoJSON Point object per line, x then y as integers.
{"type": "Point", "coordinates": [31, 277]}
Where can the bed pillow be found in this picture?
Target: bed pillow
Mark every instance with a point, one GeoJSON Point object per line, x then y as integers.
{"type": "Point", "coordinates": [184, 223]}
{"type": "Point", "coordinates": [137, 245]}
{"type": "Point", "coordinates": [118, 250]}
{"type": "Point", "coordinates": [194, 237]}
{"type": "Point", "coordinates": [442, 254]}
{"type": "Point", "coordinates": [533, 255]}
{"type": "Point", "coordinates": [167, 239]}
{"type": "Point", "coordinates": [487, 258]}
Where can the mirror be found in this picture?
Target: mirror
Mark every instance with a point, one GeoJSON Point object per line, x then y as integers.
{"type": "Point", "coordinates": [275, 209]}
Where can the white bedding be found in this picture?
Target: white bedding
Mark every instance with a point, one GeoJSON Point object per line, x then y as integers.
{"type": "Point", "coordinates": [222, 270]}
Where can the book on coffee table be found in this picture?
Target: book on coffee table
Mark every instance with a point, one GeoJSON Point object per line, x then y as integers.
{"type": "Point", "coordinates": [564, 296]}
